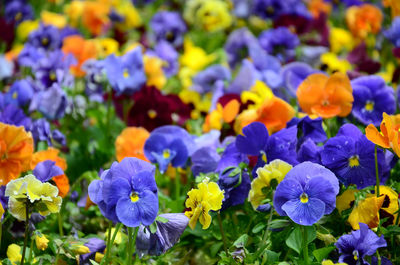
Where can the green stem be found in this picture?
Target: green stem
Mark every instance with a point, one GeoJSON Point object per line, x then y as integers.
{"type": "Point", "coordinates": [60, 224]}
{"type": "Point", "coordinates": [177, 184]}
{"type": "Point", "coordinates": [222, 233]}
{"type": "Point", "coordinates": [379, 257]}
{"type": "Point", "coordinates": [26, 231]}
{"type": "Point", "coordinates": [108, 246]}
{"type": "Point", "coordinates": [131, 240]}
{"type": "Point", "coordinates": [30, 252]}
{"type": "Point", "coordinates": [377, 173]}
{"type": "Point", "coordinates": [117, 228]}
{"type": "Point", "coordinates": [305, 245]}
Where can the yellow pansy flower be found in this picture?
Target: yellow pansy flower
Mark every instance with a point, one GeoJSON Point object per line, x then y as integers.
{"type": "Point", "coordinates": [154, 72]}
{"type": "Point", "coordinates": [210, 15]}
{"type": "Point", "coordinates": [335, 63]}
{"type": "Point", "coordinates": [340, 39]}
{"type": "Point", "coordinates": [74, 11]}
{"type": "Point", "coordinates": [258, 93]}
{"type": "Point", "coordinates": [42, 196]}
{"type": "Point", "coordinates": [14, 253]}
{"type": "Point", "coordinates": [276, 169]}
{"type": "Point", "coordinates": [329, 262]}
{"type": "Point", "coordinates": [50, 18]}
{"type": "Point", "coordinates": [200, 103]}
{"type": "Point", "coordinates": [131, 15]}
{"type": "Point", "coordinates": [25, 28]}
{"type": "Point", "coordinates": [206, 197]}
{"type": "Point", "coordinates": [195, 57]}
{"type": "Point", "coordinates": [217, 117]}
{"type": "Point", "coordinates": [107, 46]}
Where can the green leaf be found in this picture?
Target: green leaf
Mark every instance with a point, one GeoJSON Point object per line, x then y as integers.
{"type": "Point", "coordinates": [258, 228]}
{"type": "Point", "coordinates": [272, 257]}
{"type": "Point", "coordinates": [153, 228]}
{"type": "Point", "coordinates": [241, 241]}
{"type": "Point", "coordinates": [93, 262]}
{"type": "Point", "coordinates": [322, 253]}
{"type": "Point", "coordinates": [162, 219]}
{"type": "Point", "coordinates": [295, 239]}
{"type": "Point", "coordinates": [214, 248]}
{"type": "Point", "coordinates": [279, 223]}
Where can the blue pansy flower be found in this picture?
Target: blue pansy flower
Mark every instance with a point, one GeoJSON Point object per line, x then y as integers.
{"type": "Point", "coordinates": [20, 93]}
{"type": "Point", "coordinates": [309, 128]}
{"type": "Point", "coordinates": [51, 103]}
{"type": "Point", "coordinates": [309, 151]}
{"type": "Point", "coordinates": [45, 37]}
{"type": "Point", "coordinates": [126, 73]}
{"type": "Point", "coordinates": [204, 160]}
{"type": "Point", "coordinates": [205, 81]}
{"type": "Point", "coordinates": [393, 33]}
{"type": "Point", "coordinates": [95, 245]}
{"type": "Point", "coordinates": [280, 42]}
{"type": "Point", "coordinates": [353, 248]}
{"type": "Point", "coordinates": [256, 141]}
{"type": "Point", "coordinates": [169, 144]}
{"type": "Point", "coordinates": [165, 51]}
{"type": "Point", "coordinates": [165, 237]}
{"type": "Point", "coordinates": [18, 11]}
{"type": "Point", "coordinates": [350, 155]}
{"type": "Point", "coordinates": [127, 192]}
{"type": "Point", "coordinates": [46, 170]}
{"type": "Point", "coordinates": [307, 193]}
{"type": "Point", "coordinates": [168, 26]}
{"type": "Point", "coordinates": [268, 9]}
{"type": "Point", "coordinates": [372, 97]}
{"type": "Point", "coordinates": [12, 114]}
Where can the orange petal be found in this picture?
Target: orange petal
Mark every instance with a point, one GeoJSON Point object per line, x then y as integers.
{"type": "Point", "coordinates": [374, 136]}
{"type": "Point", "coordinates": [230, 110]}
{"type": "Point", "coordinates": [328, 111]}
{"type": "Point", "coordinates": [311, 91]}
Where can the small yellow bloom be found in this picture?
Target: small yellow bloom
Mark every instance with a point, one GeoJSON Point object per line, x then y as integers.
{"type": "Point", "coordinates": [207, 197]}
{"type": "Point", "coordinates": [258, 93]}
{"type": "Point", "coordinates": [98, 257]}
{"type": "Point", "coordinates": [195, 57]}
{"type": "Point", "coordinates": [154, 72]}
{"type": "Point", "coordinates": [329, 262]}
{"type": "Point", "coordinates": [41, 242]}
{"type": "Point", "coordinates": [50, 18]}
{"type": "Point", "coordinates": [201, 104]}
{"type": "Point", "coordinates": [210, 15]}
{"type": "Point", "coordinates": [106, 47]}
{"type": "Point", "coordinates": [334, 63]}
{"type": "Point", "coordinates": [25, 28]}
{"type": "Point", "coordinates": [80, 249]}
{"type": "Point", "coordinates": [276, 169]}
{"type": "Point", "coordinates": [14, 253]}
{"type": "Point", "coordinates": [217, 117]}
{"type": "Point", "coordinates": [131, 16]}
{"type": "Point", "coordinates": [340, 39]}
{"type": "Point", "coordinates": [74, 11]}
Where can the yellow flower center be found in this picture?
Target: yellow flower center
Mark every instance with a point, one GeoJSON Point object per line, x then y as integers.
{"type": "Point", "coordinates": [270, 10]}
{"type": "Point", "coordinates": [45, 41]}
{"type": "Point", "coordinates": [304, 198]}
{"type": "Point", "coordinates": [166, 154]}
{"type": "Point", "coordinates": [134, 197]}
{"type": "Point", "coordinates": [152, 114]}
{"type": "Point", "coordinates": [15, 95]}
{"type": "Point", "coordinates": [354, 161]}
{"type": "Point", "coordinates": [18, 16]}
{"type": "Point", "coordinates": [369, 106]}
{"type": "Point", "coordinates": [52, 76]}
{"type": "Point", "coordinates": [126, 73]}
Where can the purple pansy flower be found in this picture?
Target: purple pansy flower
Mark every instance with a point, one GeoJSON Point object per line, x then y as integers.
{"type": "Point", "coordinates": [393, 33]}
{"type": "Point", "coordinates": [165, 51]}
{"type": "Point", "coordinates": [271, 9]}
{"type": "Point", "coordinates": [18, 11]}
{"type": "Point", "coordinates": [12, 114]}
{"type": "Point", "coordinates": [46, 37]}
{"type": "Point", "coordinates": [359, 244]}
{"type": "Point", "coordinates": [168, 26]}
{"type": "Point", "coordinates": [309, 151]}
{"type": "Point", "coordinates": [46, 170]}
{"type": "Point", "coordinates": [280, 42]}
{"type": "Point", "coordinates": [126, 73]}
{"type": "Point", "coordinates": [95, 245]}
{"type": "Point", "coordinates": [166, 236]}
{"type": "Point", "coordinates": [51, 103]}
{"type": "Point", "coordinates": [350, 155]}
{"type": "Point", "coordinates": [127, 192]}
{"type": "Point", "coordinates": [309, 129]}
{"type": "Point", "coordinates": [372, 97]}
{"type": "Point", "coordinates": [205, 81]}
{"type": "Point", "coordinates": [307, 193]}
{"type": "Point", "coordinates": [20, 93]}
{"type": "Point", "coordinates": [40, 130]}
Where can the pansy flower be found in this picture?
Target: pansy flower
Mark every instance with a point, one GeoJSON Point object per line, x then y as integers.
{"type": "Point", "coordinates": [359, 244]}
{"type": "Point", "coordinates": [46, 37]}
{"type": "Point", "coordinates": [293, 74]}
{"type": "Point", "coordinates": [326, 96]}
{"type": "Point", "coordinates": [52, 102]}
{"type": "Point", "coordinates": [169, 144]}
{"type": "Point", "coordinates": [393, 33]}
{"type": "Point", "coordinates": [130, 143]}
{"type": "Point", "coordinates": [389, 135]}
{"type": "Point", "coordinates": [168, 26]}
{"type": "Point", "coordinates": [17, 11]}
{"type": "Point", "coordinates": [126, 74]}
{"type": "Point", "coordinates": [222, 114]}
{"type": "Point", "coordinates": [280, 42]}
{"type": "Point", "coordinates": [81, 49]}
{"type": "Point", "coordinates": [20, 93]}
{"type": "Point", "coordinates": [16, 148]}
{"type": "Point", "coordinates": [167, 235]}
{"type": "Point", "coordinates": [372, 97]}
{"type": "Point", "coordinates": [307, 193]}
{"type": "Point", "coordinates": [351, 156]}
{"type": "Point", "coordinates": [127, 192]}
{"type": "Point", "coordinates": [207, 197]}
{"type": "Point", "coordinates": [363, 20]}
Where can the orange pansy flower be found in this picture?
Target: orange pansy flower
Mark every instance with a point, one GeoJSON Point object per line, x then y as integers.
{"type": "Point", "coordinates": [394, 6]}
{"type": "Point", "coordinates": [81, 49]}
{"type": "Point", "coordinates": [318, 7]}
{"type": "Point", "coordinates": [389, 137]}
{"type": "Point", "coordinates": [95, 17]}
{"type": "Point", "coordinates": [326, 96]}
{"type": "Point", "coordinates": [274, 113]}
{"type": "Point", "coordinates": [130, 143]}
{"type": "Point", "coordinates": [16, 148]}
{"type": "Point", "coordinates": [363, 20]}
{"type": "Point", "coordinates": [61, 181]}
{"type": "Point", "coordinates": [217, 117]}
